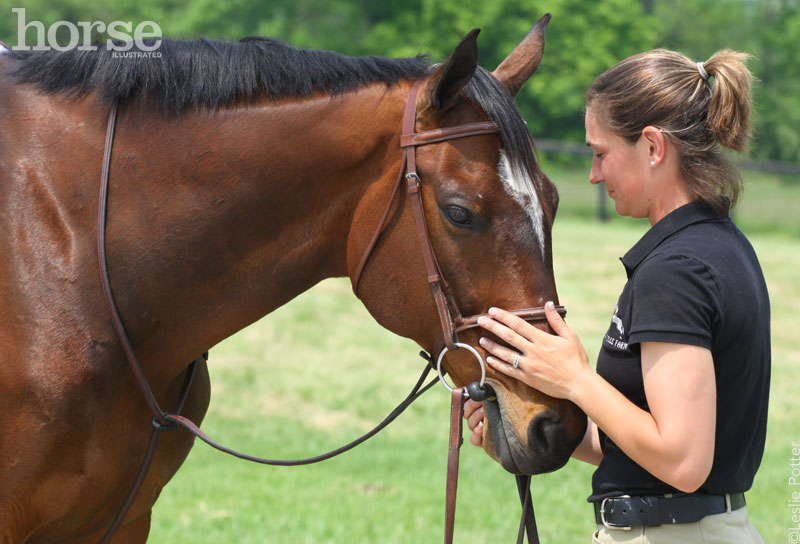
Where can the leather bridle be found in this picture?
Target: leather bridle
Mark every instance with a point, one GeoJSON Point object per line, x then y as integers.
{"type": "Point", "coordinates": [450, 317]}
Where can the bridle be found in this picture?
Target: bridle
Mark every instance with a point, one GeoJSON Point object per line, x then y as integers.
{"type": "Point", "coordinates": [450, 317]}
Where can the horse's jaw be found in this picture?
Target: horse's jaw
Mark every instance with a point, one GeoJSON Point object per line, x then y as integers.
{"type": "Point", "coordinates": [535, 445]}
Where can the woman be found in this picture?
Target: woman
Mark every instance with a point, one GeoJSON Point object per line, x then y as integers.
{"type": "Point", "coordinates": [678, 403]}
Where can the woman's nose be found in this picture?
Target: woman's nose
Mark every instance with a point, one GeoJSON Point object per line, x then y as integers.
{"type": "Point", "coordinates": [594, 176]}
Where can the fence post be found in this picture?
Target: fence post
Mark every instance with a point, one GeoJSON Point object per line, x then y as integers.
{"type": "Point", "coordinates": [602, 203]}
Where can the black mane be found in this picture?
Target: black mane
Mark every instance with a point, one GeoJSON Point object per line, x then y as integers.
{"type": "Point", "coordinates": [207, 73]}
{"type": "Point", "coordinates": [211, 74]}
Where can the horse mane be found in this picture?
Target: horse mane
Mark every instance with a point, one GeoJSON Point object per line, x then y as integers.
{"type": "Point", "coordinates": [212, 74]}
{"type": "Point", "coordinates": [207, 73]}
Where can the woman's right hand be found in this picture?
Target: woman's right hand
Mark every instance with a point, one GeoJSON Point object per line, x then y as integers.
{"type": "Point", "coordinates": [473, 413]}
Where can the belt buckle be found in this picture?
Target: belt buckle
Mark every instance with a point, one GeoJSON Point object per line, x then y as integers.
{"type": "Point", "coordinates": [608, 525]}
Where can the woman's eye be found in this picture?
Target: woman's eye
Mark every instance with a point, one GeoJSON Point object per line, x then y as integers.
{"type": "Point", "coordinates": [458, 216]}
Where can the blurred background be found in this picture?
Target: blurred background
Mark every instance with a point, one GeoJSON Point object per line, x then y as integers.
{"type": "Point", "coordinates": [275, 393]}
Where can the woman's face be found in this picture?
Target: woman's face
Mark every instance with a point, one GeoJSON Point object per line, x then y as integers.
{"type": "Point", "coordinates": [623, 167]}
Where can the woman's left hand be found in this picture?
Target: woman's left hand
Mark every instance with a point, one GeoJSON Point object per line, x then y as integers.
{"type": "Point", "coordinates": [552, 364]}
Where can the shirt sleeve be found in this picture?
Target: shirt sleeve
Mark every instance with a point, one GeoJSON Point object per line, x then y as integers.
{"type": "Point", "coordinates": [675, 299]}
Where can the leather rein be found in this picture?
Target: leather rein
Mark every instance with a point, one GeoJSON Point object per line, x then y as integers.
{"type": "Point", "coordinates": [451, 320]}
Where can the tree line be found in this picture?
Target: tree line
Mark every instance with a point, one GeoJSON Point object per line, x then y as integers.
{"type": "Point", "coordinates": [584, 39]}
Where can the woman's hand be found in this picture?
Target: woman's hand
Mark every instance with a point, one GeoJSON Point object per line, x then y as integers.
{"type": "Point", "coordinates": [473, 413]}
{"type": "Point", "coordinates": [548, 363]}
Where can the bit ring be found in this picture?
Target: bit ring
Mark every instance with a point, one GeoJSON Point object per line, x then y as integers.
{"type": "Point", "coordinates": [471, 350]}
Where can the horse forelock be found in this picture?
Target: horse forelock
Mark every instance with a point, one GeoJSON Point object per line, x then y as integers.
{"type": "Point", "coordinates": [517, 168]}
{"type": "Point", "coordinates": [182, 74]}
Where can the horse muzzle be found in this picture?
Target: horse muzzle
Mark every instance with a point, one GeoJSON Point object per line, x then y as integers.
{"type": "Point", "coordinates": [526, 444]}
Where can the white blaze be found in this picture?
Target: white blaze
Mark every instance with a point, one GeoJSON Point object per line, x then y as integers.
{"type": "Point", "coordinates": [519, 185]}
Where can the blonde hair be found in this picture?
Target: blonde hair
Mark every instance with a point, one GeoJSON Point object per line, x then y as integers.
{"type": "Point", "coordinates": [665, 89]}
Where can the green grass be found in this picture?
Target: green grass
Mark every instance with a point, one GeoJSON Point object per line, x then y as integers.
{"type": "Point", "coordinates": [318, 372]}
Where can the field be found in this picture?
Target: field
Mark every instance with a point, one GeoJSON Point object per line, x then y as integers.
{"type": "Point", "coordinates": [318, 372]}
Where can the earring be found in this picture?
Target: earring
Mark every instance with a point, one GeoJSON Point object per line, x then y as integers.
{"type": "Point", "coordinates": [652, 163]}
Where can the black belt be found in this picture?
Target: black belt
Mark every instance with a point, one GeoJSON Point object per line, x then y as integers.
{"type": "Point", "coordinates": [625, 512]}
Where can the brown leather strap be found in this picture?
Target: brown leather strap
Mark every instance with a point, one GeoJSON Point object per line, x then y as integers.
{"type": "Point", "coordinates": [415, 393]}
{"type": "Point", "coordinates": [150, 454]}
{"type": "Point", "coordinates": [377, 234]}
{"type": "Point", "coordinates": [471, 322]}
{"type": "Point", "coordinates": [434, 276]}
{"type": "Point", "coordinates": [527, 521]}
{"type": "Point", "coordinates": [144, 468]}
{"type": "Point", "coordinates": [528, 314]}
{"type": "Point", "coordinates": [105, 282]}
{"type": "Point", "coordinates": [432, 270]}
{"type": "Point", "coordinates": [415, 139]}
{"type": "Point", "coordinates": [456, 439]}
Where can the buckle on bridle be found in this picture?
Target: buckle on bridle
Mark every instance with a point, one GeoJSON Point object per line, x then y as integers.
{"type": "Point", "coordinates": [603, 519]}
{"type": "Point", "coordinates": [413, 182]}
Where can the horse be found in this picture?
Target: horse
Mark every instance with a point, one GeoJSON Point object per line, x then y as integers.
{"type": "Point", "coordinates": [242, 174]}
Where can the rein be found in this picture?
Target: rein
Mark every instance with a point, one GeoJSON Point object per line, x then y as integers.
{"type": "Point", "coordinates": [450, 318]}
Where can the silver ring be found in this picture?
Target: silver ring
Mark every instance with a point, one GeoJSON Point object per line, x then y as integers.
{"type": "Point", "coordinates": [471, 350]}
{"type": "Point", "coordinates": [516, 361]}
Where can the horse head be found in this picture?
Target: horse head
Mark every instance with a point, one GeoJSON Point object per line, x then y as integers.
{"type": "Point", "coordinates": [489, 210]}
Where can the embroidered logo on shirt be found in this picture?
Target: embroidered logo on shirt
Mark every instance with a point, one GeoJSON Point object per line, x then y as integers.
{"type": "Point", "coordinates": [618, 343]}
{"type": "Point", "coordinates": [618, 322]}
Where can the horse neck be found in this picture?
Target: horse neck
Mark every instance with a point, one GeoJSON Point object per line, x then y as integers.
{"type": "Point", "coordinates": [255, 204]}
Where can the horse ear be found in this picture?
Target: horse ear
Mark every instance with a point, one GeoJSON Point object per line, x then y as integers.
{"type": "Point", "coordinates": [524, 59]}
{"type": "Point", "coordinates": [442, 89]}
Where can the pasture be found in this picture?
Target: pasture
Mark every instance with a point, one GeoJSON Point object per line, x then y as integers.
{"type": "Point", "coordinates": [318, 372]}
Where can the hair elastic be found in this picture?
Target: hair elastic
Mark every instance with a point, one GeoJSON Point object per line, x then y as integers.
{"type": "Point", "coordinates": [701, 68]}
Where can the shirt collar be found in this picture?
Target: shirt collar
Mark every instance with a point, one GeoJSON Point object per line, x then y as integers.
{"type": "Point", "coordinates": [688, 214]}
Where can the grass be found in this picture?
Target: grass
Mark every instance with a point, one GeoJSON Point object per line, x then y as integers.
{"type": "Point", "coordinates": [296, 384]}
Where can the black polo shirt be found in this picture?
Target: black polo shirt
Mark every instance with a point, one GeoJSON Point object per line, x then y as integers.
{"type": "Point", "coordinates": [693, 279]}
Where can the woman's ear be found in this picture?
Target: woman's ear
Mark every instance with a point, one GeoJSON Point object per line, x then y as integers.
{"type": "Point", "coordinates": [656, 144]}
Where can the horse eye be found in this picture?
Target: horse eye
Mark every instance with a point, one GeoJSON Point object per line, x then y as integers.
{"type": "Point", "coordinates": [458, 216]}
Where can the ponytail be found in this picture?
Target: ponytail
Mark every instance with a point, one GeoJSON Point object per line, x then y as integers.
{"type": "Point", "coordinates": [731, 97]}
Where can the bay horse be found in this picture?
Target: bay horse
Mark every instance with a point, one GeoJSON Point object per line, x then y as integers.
{"type": "Point", "coordinates": [242, 174]}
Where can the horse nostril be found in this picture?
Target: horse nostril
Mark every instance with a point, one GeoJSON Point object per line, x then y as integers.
{"type": "Point", "coordinates": [547, 433]}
